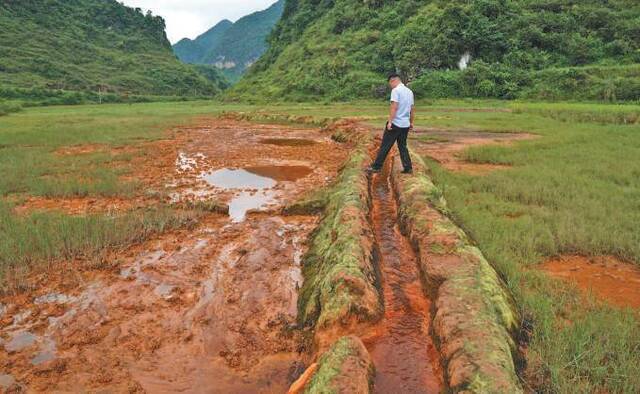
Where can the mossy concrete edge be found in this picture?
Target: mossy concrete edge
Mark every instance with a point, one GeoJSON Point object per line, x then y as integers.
{"type": "Point", "coordinates": [341, 297]}
{"type": "Point", "coordinates": [345, 368]}
{"type": "Point", "coordinates": [475, 319]}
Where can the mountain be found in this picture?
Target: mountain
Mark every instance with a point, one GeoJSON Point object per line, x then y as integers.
{"type": "Point", "coordinates": [91, 45]}
{"type": "Point", "coordinates": [193, 51]}
{"type": "Point", "coordinates": [343, 49]}
{"type": "Point", "coordinates": [232, 47]}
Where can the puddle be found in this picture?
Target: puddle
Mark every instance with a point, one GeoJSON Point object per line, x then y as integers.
{"type": "Point", "coordinates": [255, 186]}
{"type": "Point", "coordinates": [20, 317]}
{"type": "Point", "coordinates": [19, 341]}
{"type": "Point", "coordinates": [609, 279]}
{"type": "Point", "coordinates": [292, 142]}
{"type": "Point", "coordinates": [185, 163]}
{"type": "Point", "coordinates": [164, 291]}
{"type": "Point", "coordinates": [403, 352]}
{"type": "Point", "coordinates": [245, 202]}
{"type": "Point", "coordinates": [6, 381]}
{"type": "Point", "coordinates": [47, 354]}
{"type": "Point", "coordinates": [281, 173]}
{"type": "Point", "coordinates": [255, 177]}
{"type": "Point", "coordinates": [54, 298]}
{"type": "Point", "coordinates": [238, 179]}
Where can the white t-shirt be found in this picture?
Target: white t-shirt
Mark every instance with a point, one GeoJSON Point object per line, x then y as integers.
{"type": "Point", "coordinates": [404, 97]}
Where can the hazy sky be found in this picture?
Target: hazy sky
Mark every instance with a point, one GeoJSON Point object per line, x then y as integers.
{"type": "Point", "coordinates": [190, 18]}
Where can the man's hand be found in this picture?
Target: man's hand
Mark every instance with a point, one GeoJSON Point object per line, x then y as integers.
{"type": "Point", "coordinates": [411, 127]}
{"type": "Point", "coordinates": [389, 125]}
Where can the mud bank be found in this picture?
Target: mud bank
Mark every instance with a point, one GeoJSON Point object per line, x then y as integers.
{"type": "Point", "coordinates": [363, 295]}
{"type": "Point", "coordinates": [341, 299]}
{"type": "Point", "coordinates": [474, 316]}
{"type": "Point", "coordinates": [345, 368]}
{"type": "Point", "coordinates": [340, 288]}
{"type": "Point", "coordinates": [212, 307]}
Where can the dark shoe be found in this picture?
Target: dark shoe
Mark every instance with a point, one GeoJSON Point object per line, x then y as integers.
{"type": "Point", "coordinates": [372, 170]}
{"type": "Point", "coordinates": [407, 172]}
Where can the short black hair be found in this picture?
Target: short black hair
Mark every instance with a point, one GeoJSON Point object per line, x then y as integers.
{"type": "Point", "coordinates": [393, 76]}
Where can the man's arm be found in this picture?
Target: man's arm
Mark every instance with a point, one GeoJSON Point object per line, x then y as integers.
{"type": "Point", "coordinates": [413, 116]}
{"type": "Point", "coordinates": [392, 114]}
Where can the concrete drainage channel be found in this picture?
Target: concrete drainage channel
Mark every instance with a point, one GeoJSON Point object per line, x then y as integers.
{"type": "Point", "coordinates": [417, 310]}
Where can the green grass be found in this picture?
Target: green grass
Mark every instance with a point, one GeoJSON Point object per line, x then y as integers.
{"type": "Point", "coordinates": [46, 238]}
{"type": "Point", "coordinates": [7, 107]}
{"type": "Point", "coordinates": [577, 112]}
{"type": "Point", "coordinates": [574, 190]}
{"type": "Point", "coordinates": [30, 166]}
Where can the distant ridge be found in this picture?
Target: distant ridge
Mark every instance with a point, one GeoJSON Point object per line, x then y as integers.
{"type": "Point", "coordinates": [193, 51]}
{"type": "Point", "coordinates": [232, 47]}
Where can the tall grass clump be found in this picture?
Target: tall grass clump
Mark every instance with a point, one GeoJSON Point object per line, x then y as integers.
{"type": "Point", "coordinates": [45, 238]}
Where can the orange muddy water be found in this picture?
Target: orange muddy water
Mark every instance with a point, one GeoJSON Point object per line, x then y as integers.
{"type": "Point", "coordinates": [401, 347]}
{"type": "Point", "coordinates": [608, 278]}
{"type": "Point", "coordinates": [211, 308]}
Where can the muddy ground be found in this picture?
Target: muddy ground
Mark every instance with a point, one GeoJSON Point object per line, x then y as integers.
{"type": "Point", "coordinates": [215, 308]}
{"type": "Point", "coordinates": [446, 147]}
{"type": "Point", "coordinates": [212, 308]}
{"type": "Point", "coordinates": [606, 277]}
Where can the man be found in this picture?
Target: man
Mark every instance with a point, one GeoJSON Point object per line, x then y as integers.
{"type": "Point", "coordinates": [397, 129]}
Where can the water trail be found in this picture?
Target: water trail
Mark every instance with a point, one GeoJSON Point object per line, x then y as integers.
{"type": "Point", "coordinates": [405, 357]}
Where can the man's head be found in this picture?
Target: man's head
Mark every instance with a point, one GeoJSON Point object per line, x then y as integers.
{"type": "Point", "coordinates": [394, 80]}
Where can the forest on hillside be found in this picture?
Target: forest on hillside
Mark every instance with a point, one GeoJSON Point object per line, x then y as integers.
{"type": "Point", "coordinates": [66, 48]}
{"type": "Point", "coordinates": [550, 49]}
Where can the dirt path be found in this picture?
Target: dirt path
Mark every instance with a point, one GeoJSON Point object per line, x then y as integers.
{"type": "Point", "coordinates": [405, 357]}
{"type": "Point", "coordinates": [207, 309]}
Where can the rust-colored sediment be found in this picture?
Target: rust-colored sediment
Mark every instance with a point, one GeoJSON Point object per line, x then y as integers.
{"type": "Point", "coordinates": [401, 347]}
{"type": "Point", "coordinates": [306, 156]}
{"type": "Point", "coordinates": [205, 309]}
{"type": "Point", "coordinates": [447, 147]}
{"type": "Point", "coordinates": [608, 278]}
{"type": "Point", "coordinates": [474, 317]}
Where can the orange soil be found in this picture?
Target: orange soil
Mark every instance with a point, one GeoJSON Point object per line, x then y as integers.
{"type": "Point", "coordinates": [78, 205]}
{"type": "Point", "coordinates": [608, 278]}
{"type": "Point", "coordinates": [448, 151]}
{"type": "Point", "coordinates": [213, 143]}
{"type": "Point", "coordinates": [211, 308]}
{"type": "Point", "coordinates": [80, 149]}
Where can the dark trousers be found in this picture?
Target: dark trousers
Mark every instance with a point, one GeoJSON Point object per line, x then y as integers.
{"type": "Point", "coordinates": [390, 137]}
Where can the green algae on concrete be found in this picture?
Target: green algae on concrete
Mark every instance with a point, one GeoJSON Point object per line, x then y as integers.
{"type": "Point", "coordinates": [345, 368]}
{"type": "Point", "coordinates": [475, 318]}
{"type": "Point", "coordinates": [340, 286]}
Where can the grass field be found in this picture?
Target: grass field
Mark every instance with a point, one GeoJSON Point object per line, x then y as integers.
{"type": "Point", "coordinates": [574, 190]}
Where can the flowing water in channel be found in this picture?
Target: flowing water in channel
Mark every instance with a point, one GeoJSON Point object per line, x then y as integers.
{"type": "Point", "coordinates": [405, 357]}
